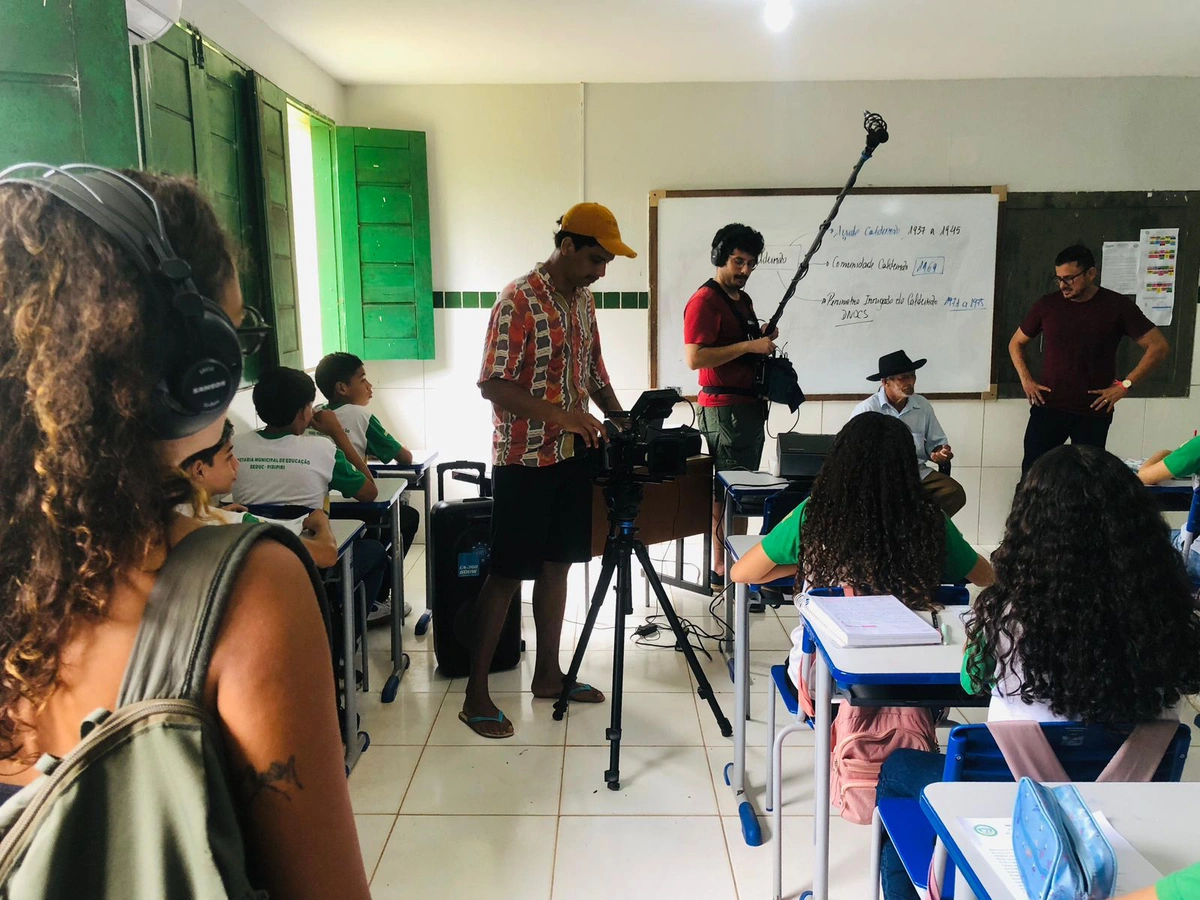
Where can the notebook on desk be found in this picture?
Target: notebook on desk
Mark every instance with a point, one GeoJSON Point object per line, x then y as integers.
{"type": "Point", "coordinates": [869, 621]}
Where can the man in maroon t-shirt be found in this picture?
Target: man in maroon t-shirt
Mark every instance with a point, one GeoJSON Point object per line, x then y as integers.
{"type": "Point", "coordinates": [1083, 324]}
{"type": "Point", "coordinates": [721, 338]}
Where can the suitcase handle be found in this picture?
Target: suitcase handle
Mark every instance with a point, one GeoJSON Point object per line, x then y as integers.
{"type": "Point", "coordinates": [458, 470]}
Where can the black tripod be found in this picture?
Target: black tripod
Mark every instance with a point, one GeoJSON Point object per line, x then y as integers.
{"type": "Point", "coordinates": [623, 496]}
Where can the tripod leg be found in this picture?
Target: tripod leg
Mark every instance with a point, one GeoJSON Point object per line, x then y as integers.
{"type": "Point", "coordinates": [704, 689]}
{"type": "Point", "coordinates": [612, 777]}
{"type": "Point", "coordinates": [602, 583]}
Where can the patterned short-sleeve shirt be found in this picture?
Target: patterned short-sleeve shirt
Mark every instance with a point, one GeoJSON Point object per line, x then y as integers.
{"type": "Point", "coordinates": [550, 345]}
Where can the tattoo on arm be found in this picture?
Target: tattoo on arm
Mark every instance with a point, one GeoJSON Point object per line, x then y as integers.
{"type": "Point", "coordinates": [276, 778]}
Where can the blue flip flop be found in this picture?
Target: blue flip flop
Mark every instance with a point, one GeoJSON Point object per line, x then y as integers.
{"type": "Point", "coordinates": [582, 687]}
{"type": "Point", "coordinates": [472, 721]}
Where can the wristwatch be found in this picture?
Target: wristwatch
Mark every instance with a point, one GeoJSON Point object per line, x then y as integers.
{"type": "Point", "coordinates": [1127, 384]}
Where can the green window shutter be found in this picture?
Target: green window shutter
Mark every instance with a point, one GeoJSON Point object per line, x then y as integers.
{"type": "Point", "coordinates": [171, 99]}
{"type": "Point", "coordinates": [383, 199]}
{"type": "Point", "coordinates": [276, 193]}
{"type": "Point", "coordinates": [195, 120]}
{"type": "Point", "coordinates": [325, 193]}
{"type": "Point", "coordinates": [65, 84]}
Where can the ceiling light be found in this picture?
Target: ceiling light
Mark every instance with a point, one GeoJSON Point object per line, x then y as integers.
{"type": "Point", "coordinates": [778, 14]}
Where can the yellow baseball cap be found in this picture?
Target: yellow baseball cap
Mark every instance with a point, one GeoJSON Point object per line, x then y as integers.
{"type": "Point", "coordinates": [596, 221]}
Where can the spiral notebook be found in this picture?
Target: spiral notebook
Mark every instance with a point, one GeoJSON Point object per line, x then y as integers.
{"type": "Point", "coordinates": [869, 621]}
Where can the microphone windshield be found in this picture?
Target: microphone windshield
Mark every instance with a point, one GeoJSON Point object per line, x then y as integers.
{"type": "Point", "coordinates": [876, 129]}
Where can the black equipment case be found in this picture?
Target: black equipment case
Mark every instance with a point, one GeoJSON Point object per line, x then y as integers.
{"type": "Point", "coordinates": [459, 540]}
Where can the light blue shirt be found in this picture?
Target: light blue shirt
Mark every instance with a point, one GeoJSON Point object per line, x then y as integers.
{"type": "Point", "coordinates": [918, 416]}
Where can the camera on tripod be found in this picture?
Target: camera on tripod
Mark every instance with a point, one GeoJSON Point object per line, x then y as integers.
{"type": "Point", "coordinates": [637, 440]}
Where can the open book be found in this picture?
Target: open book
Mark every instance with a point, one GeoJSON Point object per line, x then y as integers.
{"type": "Point", "coordinates": [871, 621]}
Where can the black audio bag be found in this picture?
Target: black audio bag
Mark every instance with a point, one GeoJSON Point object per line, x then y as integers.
{"type": "Point", "coordinates": [459, 539]}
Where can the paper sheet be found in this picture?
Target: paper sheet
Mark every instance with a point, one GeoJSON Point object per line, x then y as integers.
{"type": "Point", "coordinates": [1157, 260]}
{"type": "Point", "coordinates": [994, 838]}
{"type": "Point", "coordinates": [1119, 266]}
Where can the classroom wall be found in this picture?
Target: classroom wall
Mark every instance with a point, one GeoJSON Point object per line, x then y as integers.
{"type": "Point", "coordinates": [505, 161]}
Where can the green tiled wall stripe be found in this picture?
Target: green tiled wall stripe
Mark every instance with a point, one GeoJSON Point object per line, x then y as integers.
{"type": "Point", "coordinates": [487, 299]}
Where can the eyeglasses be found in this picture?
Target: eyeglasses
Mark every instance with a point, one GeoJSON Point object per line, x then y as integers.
{"type": "Point", "coordinates": [1067, 279]}
{"type": "Point", "coordinates": [253, 331]}
{"type": "Point", "coordinates": [739, 262]}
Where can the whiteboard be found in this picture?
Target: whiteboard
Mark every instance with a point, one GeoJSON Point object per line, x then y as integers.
{"type": "Point", "coordinates": [911, 271]}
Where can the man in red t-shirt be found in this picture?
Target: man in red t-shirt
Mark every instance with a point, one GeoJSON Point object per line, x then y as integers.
{"type": "Point", "coordinates": [1083, 324]}
{"type": "Point", "coordinates": [721, 338]}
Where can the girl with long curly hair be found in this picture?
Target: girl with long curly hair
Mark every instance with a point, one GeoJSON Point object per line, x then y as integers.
{"type": "Point", "coordinates": [867, 525]}
{"type": "Point", "coordinates": [87, 519]}
{"type": "Point", "coordinates": [1090, 619]}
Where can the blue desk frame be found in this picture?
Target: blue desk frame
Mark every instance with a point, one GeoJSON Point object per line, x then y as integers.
{"type": "Point", "coordinates": [418, 476]}
{"type": "Point", "coordinates": [354, 741]}
{"type": "Point", "coordinates": [385, 514]}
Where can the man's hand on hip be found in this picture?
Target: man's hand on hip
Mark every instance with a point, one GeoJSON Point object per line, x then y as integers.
{"type": "Point", "coordinates": [1033, 391]}
{"type": "Point", "coordinates": [1107, 398]}
{"type": "Point", "coordinates": [585, 425]}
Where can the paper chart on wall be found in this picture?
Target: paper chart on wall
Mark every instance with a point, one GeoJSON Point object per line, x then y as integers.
{"type": "Point", "coordinates": [1158, 254]}
{"type": "Point", "coordinates": [1119, 266]}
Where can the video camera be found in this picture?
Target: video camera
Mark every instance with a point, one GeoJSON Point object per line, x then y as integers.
{"type": "Point", "coordinates": [637, 440]}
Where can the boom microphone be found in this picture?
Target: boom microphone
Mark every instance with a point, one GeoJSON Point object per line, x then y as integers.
{"type": "Point", "coordinates": [775, 377]}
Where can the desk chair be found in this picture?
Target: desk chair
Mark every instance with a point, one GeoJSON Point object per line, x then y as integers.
{"type": "Point", "coordinates": [972, 755]}
{"type": "Point", "coordinates": [776, 508]}
{"type": "Point", "coordinates": [930, 696]}
{"type": "Point", "coordinates": [330, 578]}
{"type": "Point", "coordinates": [926, 696]}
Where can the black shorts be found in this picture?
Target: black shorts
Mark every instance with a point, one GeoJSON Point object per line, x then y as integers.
{"type": "Point", "coordinates": [540, 514]}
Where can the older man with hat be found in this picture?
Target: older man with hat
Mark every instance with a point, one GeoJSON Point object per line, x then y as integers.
{"type": "Point", "coordinates": [541, 366]}
{"type": "Point", "coordinates": [896, 397]}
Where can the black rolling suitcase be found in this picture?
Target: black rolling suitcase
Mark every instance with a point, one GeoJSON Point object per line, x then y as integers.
{"type": "Point", "coordinates": [459, 539]}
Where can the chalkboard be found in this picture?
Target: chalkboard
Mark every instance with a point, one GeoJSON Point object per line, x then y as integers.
{"type": "Point", "coordinates": [1036, 226]}
{"type": "Point", "coordinates": [900, 268]}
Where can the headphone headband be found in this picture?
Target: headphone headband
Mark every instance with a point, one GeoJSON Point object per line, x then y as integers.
{"type": "Point", "coordinates": [202, 362]}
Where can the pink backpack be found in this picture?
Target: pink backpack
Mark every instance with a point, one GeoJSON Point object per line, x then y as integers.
{"type": "Point", "coordinates": [861, 739]}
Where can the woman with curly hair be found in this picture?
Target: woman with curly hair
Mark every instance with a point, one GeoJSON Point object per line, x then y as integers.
{"type": "Point", "coordinates": [1090, 619]}
{"type": "Point", "coordinates": [867, 526]}
{"type": "Point", "coordinates": [87, 519]}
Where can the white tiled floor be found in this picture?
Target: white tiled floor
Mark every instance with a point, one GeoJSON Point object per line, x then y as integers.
{"type": "Point", "coordinates": [443, 813]}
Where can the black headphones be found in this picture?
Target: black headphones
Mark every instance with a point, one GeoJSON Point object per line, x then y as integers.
{"type": "Point", "coordinates": [201, 358]}
{"type": "Point", "coordinates": [718, 255]}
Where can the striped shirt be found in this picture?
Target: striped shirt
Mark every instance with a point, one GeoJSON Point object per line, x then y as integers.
{"type": "Point", "coordinates": [550, 346]}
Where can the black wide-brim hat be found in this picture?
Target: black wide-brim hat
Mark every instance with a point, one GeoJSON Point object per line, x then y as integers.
{"type": "Point", "coordinates": [896, 363]}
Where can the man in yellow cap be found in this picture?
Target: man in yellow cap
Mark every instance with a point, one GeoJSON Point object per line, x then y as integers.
{"type": "Point", "coordinates": [541, 364]}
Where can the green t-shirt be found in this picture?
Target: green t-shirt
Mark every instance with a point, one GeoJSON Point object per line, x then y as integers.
{"type": "Point", "coordinates": [1181, 885]}
{"type": "Point", "coordinates": [1185, 461]}
{"type": "Point", "coordinates": [380, 444]}
{"type": "Point", "coordinates": [782, 545]}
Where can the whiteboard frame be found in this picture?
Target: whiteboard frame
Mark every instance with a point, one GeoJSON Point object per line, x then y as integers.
{"type": "Point", "coordinates": [657, 196]}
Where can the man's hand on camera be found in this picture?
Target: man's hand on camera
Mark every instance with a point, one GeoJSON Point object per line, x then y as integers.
{"type": "Point", "coordinates": [585, 425]}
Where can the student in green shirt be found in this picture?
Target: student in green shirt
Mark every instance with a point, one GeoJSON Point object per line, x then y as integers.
{"type": "Point", "coordinates": [1181, 885]}
{"type": "Point", "coordinates": [342, 378]}
{"type": "Point", "coordinates": [214, 470]}
{"type": "Point", "coordinates": [1180, 463]}
{"type": "Point", "coordinates": [1090, 618]}
{"type": "Point", "coordinates": [867, 524]}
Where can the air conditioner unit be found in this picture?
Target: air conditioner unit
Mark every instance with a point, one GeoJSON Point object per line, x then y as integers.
{"type": "Point", "coordinates": [151, 19]}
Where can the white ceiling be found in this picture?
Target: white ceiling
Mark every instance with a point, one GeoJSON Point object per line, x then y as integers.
{"type": "Point", "coordinates": [557, 41]}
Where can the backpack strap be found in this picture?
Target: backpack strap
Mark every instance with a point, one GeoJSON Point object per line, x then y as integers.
{"type": "Point", "coordinates": [1024, 747]}
{"type": "Point", "coordinates": [1142, 753]}
{"type": "Point", "coordinates": [183, 615]}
